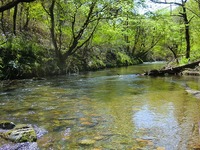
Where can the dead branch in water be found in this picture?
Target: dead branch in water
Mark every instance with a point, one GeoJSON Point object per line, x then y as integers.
{"type": "Point", "coordinates": [172, 70]}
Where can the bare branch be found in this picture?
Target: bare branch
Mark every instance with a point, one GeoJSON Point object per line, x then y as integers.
{"type": "Point", "coordinates": [87, 21]}
{"type": "Point", "coordinates": [45, 9]}
{"type": "Point", "coordinates": [92, 33]}
{"type": "Point", "coordinates": [165, 2]}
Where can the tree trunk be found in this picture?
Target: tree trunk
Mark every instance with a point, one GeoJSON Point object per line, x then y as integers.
{"type": "Point", "coordinates": [27, 19]}
{"type": "Point", "coordinates": [187, 31]}
{"type": "Point", "coordinates": [126, 36]}
{"type": "Point", "coordinates": [21, 17]}
{"type": "Point", "coordinates": [15, 19]}
{"type": "Point", "coordinates": [53, 35]}
{"type": "Point", "coordinates": [2, 21]}
{"type": "Point", "coordinates": [52, 29]}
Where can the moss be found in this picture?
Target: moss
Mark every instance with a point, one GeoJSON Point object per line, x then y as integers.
{"type": "Point", "coordinates": [28, 137]}
{"type": "Point", "coordinates": [21, 133]}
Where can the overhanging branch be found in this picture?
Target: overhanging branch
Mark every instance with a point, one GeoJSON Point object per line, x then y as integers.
{"type": "Point", "coordinates": [13, 4]}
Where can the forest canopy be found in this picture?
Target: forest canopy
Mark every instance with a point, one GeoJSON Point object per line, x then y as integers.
{"type": "Point", "coordinates": [42, 38]}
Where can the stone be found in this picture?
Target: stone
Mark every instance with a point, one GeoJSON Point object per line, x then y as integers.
{"type": "Point", "coordinates": [21, 133]}
{"type": "Point", "coordinates": [195, 93]}
{"type": "Point", "coordinates": [6, 125]}
{"type": "Point", "coordinates": [160, 148]}
{"type": "Point", "coordinates": [86, 142]}
{"type": "Point", "coordinates": [21, 146]}
{"type": "Point", "coordinates": [39, 131]}
{"type": "Point", "coordinates": [98, 138]}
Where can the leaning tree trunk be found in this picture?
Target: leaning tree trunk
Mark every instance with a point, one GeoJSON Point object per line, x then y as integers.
{"type": "Point", "coordinates": [172, 71]}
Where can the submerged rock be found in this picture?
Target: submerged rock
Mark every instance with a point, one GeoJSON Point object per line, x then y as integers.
{"type": "Point", "coordinates": [39, 131]}
{"type": "Point", "coordinates": [21, 133]}
{"type": "Point", "coordinates": [86, 142]}
{"type": "Point", "coordinates": [98, 138]}
{"type": "Point", "coordinates": [6, 125]}
{"type": "Point", "coordinates": [160, 148]}
{"type": "Point", "coordinates": [195, 93]}
{"type": "Point", "coordinates": [21, 146]}
{"type": "Point", "coordinates": [38, 78]}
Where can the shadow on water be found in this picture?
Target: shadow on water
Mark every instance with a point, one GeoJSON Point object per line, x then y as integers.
{"type": "Point", "coordinates": [108, 109]}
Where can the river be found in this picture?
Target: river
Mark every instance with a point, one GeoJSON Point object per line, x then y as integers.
{"type": "Point", "coordinates": [108, 109]}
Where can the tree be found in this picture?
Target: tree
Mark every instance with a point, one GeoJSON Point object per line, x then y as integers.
{"type": "Point", "coordinates": [82, 17]}
{"type": "Point", "coordinates": [184, 16]}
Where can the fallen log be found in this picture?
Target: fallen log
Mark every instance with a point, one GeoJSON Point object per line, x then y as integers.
{"type": "Point", "coordinates": [173, 70]}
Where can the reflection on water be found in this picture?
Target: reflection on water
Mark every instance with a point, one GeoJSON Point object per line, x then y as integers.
{"type": "Point", "coordinates": [159, 128]}
{"type": "Point", "coordinates": [109, 109]}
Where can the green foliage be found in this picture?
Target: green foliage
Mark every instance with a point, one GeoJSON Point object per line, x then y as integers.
{"type": "Point", "coordinates": [20, 57]}
{"type": "Point", "coordinates": [95, 64]}
{"type": "Point", "coordinates": [108, 35]}
{"type": "Point", "coordinates": [195, 55]}
{"type": "Point", "coordinates": [123, 59]}
{"type": "Point", "coordinates": [184, 61]}
{"type": "Point", "coordinates": [36, 11]}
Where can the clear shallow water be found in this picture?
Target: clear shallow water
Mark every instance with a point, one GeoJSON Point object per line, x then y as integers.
{"type": "Point", "coordinates": [112, 109]}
